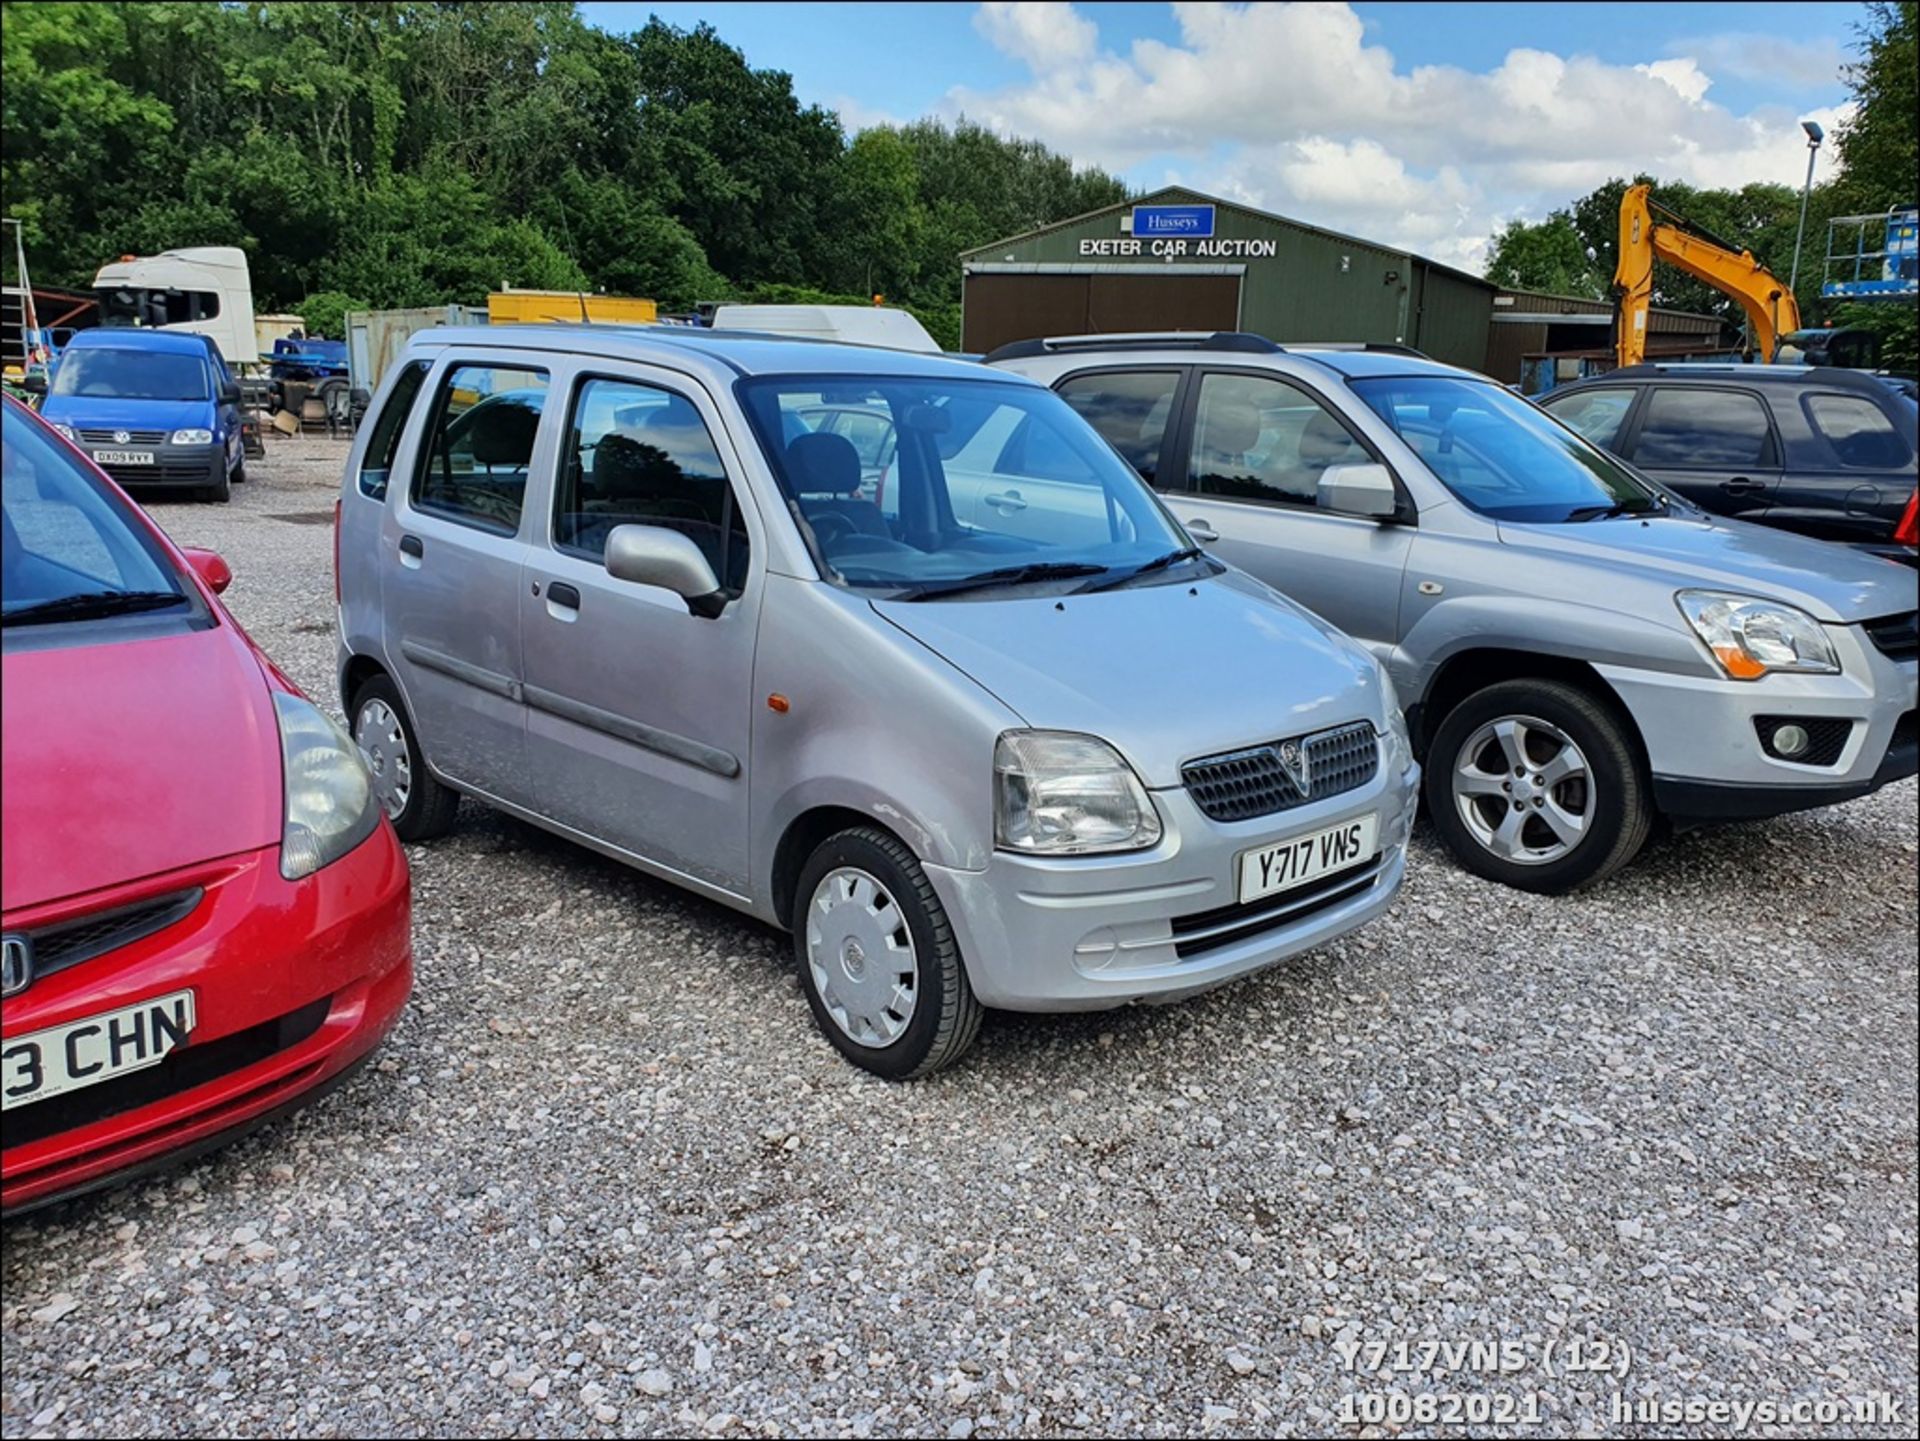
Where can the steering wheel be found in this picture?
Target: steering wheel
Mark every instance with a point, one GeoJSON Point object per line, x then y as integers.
{"type": "Point", "coordinates": [830, 527]}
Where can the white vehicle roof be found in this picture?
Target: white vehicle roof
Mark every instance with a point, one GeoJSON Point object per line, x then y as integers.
{"type": "Point", "coordinates": [851, 324]}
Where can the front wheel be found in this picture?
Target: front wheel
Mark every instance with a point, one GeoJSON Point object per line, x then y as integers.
{"type": "Point", "coordinates": [1537, 784]}
{"type": "Point", "coordinates": [878, 960]}
{"type": "Point", "coordinates": [417, 804]}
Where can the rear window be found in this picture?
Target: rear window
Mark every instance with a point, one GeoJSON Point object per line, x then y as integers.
{"type": "Point", "coordinates": [1858, 430]}
{"type": "Point", "coordinates": [483, 435]}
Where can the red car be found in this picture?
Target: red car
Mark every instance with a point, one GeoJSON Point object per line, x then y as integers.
{"type": "Point", "coordinates": [205, 910]}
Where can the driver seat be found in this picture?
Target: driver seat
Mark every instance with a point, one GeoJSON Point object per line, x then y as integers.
{"type": "Point", "coordinates": [824, 471]}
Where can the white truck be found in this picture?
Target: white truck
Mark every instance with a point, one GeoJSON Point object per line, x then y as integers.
{"type": "Point", "coordinates": [205, 289]}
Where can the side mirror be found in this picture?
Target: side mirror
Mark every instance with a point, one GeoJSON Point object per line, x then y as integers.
{"type": "Point", "coordinates": [654, 555]}
{"type": "Point", "coordinates": [229, 392]}
{"type": "Point", "coordinates": [1359, 490]}
{"type": "Point", "coordinates": [34, 384]}
{"type": "Point", "coordinates": [214, 572]}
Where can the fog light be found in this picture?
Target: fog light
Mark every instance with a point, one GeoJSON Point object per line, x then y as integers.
{"type": "Point", "coordinates": [1791, 740]}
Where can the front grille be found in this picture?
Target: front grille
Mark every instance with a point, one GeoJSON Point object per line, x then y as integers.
{"type": "Point", "coordinates": [1205, 931]}
{"type": "Point", "coordinates": [1243, 784]}
{"type": "Point", "coordinates": [1826, 738]}
{"type": "Point", "coordinates": [1895, 635]}
{"type": "Point", "coordinates": [174, 473]}
{"type": "Point", "coordinates": [82, 939]}
{"type": "Point", "coordinates": [185, 1067]}
{"type": "Point", "coordinates": [134, 437]}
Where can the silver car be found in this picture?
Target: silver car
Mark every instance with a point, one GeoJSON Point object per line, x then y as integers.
{"type": "Point", "coordinates": [973, 719]}
{"type": "Point", "coordinates": [1582, 653]}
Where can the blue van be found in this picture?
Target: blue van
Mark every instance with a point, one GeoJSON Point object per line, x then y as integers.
{"type": "Point", "coordinates": [153, 408]}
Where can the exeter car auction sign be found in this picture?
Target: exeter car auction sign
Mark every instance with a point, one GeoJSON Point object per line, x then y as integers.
{"type": "Point", "coordinates": [1170, 232]}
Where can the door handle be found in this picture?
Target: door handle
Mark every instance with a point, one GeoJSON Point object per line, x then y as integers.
{"type": "Point", "coordinates": [561, 594]}
{"type": "Point", "coordinates": [1008, 501]}
{"type": "Point", "coordinates": [1202, 532]}
{"type": "Point", "coordinates": [1743, 485]}
{"type": "Point", "coordinates": [412, 545]}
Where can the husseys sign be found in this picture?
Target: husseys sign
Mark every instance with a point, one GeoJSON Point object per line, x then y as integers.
{"type": "Point", "coordinates": [1166, 231]}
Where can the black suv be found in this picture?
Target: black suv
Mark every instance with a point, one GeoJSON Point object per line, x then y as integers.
{"type": "Point", "coordinates": [1822, 451]}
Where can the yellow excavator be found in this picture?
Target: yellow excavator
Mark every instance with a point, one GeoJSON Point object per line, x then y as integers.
{"type": "Point", "coordinates": [1649, 232]}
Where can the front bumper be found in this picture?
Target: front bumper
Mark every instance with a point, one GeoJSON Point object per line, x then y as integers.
{"type": "Point", "coordinates": [294, 983]}
{"type": "Point", "coordinates": [1704, 749]}
{"type": "Point", "coordinates": [1093, 932]}
{"type": "Point", "coordinates": [181, 466]}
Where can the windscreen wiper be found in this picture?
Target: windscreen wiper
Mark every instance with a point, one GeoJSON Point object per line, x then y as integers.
{"type": "Point", "coordinates": [1613, 511]}
{"type": "Point", "coordinates": [90, 605]}
{"type": "Point", "coordinates": [1008, 575]}
{"type": "Point", "coordinates": [1159, 562]}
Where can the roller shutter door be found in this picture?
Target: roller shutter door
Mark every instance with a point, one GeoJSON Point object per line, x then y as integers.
{"type": "Point", "coordinates": [1000, 308]}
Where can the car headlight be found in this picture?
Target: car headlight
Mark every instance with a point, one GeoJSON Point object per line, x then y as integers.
{"type": "Point", "coordinates": [66, 430]}
{"type": "Point", "coordinates": [1056, 793]}
{"type": "Point", "coordinates": [193, 437]}
{"type": "Point", "coordinates": [1750, 636]}
{"type": "Point", "coordinates": [329, 795]}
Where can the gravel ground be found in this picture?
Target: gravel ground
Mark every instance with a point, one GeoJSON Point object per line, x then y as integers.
{"type": "Point", "coordinates": [605, 1179]}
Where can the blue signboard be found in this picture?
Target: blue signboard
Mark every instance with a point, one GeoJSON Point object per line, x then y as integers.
{"type": "Point", "coordinates": [1189, 221]}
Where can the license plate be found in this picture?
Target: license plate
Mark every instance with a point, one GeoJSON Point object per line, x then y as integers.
{"type": "Point", "coordinates": [87, 1052]}
{"type": "Point", "coordinates": [1283, 866]}
{"type": "Point", "coordinates": [124, 457]}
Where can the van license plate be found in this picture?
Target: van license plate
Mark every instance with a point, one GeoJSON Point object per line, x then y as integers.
{"type": "Point", "coordinates": [98, 1048]}
{"type": "Point", "coordinates": [1281, 867]}
{"type": "Point", "coordinates": [124, 457]}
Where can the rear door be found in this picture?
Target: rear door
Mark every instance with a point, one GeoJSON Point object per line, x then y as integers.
{"type": "Point", "coordinates": [1850, 467]}
{"type": "Point", "coordinates": [1716, 446]}
{"type": "Point", "coordinates": [452, 550]}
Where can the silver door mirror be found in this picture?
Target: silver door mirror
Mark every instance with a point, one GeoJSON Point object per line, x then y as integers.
{"type": "Point", "coordinates": [1359, 490]}
{"type": "Point", "coordinates": [654, 555]}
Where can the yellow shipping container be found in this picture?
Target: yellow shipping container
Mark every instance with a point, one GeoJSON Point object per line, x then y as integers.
{"type": "Point", "coordinates": [532, 307]}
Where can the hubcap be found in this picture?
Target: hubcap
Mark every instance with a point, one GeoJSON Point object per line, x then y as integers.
{"type": "Point", "coordinates": [1523, 789]}
{"type": "Point", "coordinates": [376, 730]}
{"type": "Point", "coordinates": [860, 956]}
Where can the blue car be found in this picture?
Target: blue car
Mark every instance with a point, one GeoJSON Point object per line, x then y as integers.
{"type": "Point", "coordinates": [155, 409]}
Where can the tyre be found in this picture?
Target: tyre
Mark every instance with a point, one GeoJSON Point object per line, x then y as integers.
{"type": "Point", "coordinates": [417, 804]}
{"type": "Point", "coordinates": [1539, 785]}
{"type": "Point", "coordinates": [240, 472]}
{"type": "Point", "coordinates": [878, 960]}
{"type": "Point", "coordinates": [220, 490]}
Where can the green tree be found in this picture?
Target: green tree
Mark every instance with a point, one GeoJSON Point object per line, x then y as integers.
{"type": "Point", "coordinates": [1878, 146]}
{"type": "Point", "coordinates": [1551, 256]}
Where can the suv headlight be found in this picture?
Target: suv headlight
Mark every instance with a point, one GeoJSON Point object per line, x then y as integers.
{"type": "Point", "coordinates": [193, 437]}
{"type": "Point", "coordinates": [66, 430]}
{"type": "Point", "coordinates": [329, 795]}
{"type": "Point", "coordinates": [1750, 636]}
{"type": "Point", "coordinates": [1056, 793]}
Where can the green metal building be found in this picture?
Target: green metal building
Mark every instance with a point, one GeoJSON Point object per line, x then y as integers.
{"type": "Point", "coordinates": [1180, 260]}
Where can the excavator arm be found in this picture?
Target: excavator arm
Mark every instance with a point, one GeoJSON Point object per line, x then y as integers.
{"type": "Point", "coordinates": [1770, 307]}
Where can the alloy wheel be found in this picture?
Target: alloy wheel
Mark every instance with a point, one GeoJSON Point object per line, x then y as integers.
{"type": "Point", "coordinates": [1524, 790]}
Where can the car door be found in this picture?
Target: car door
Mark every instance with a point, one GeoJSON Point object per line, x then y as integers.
{"type": "Point", "coordinates": [1716, 446]}
{"type": "Point", "coordinates": [451, 556]}
{"type": "Point", "coordinates": [1850, 471]}
{"type": "Point", "coordinates": [1243, 472]}
{"type": "Point", "coordinates": [638, 711]}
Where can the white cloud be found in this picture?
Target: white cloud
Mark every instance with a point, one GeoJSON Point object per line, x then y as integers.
{"type": "Point", "coordinates": [1770, 59]}
{"type": "Point", "coordinates": [1302, 109]}
{"type": "Point", "coordinates": [856, 115]}
{"type": "Point", "coordinates": [1041, 33]}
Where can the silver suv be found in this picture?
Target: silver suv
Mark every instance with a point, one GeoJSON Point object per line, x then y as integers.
{"type": "Point", "coordinates": [1581, 651]}
{"type": "Point", "coordinates": [788, 624]}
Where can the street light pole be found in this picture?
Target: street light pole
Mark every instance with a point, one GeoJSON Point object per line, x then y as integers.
{"type": "Point", "coordinates": [1814, 136]}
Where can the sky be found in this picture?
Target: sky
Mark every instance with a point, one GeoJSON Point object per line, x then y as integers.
{"type": "Point", "coordinates": [1426, 126]}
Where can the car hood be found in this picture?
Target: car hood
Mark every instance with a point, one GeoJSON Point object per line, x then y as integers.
{"type": "Point", "coordinates": [1163, 672]}
{"type": "Point", "coordinates": [126, 759]}
{"type": "Point", "coordinates": [107, 412]}
{"type": "Point", "coordinates": [1831, 582]}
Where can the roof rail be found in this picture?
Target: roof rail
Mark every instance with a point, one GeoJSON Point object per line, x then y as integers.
{"type": "Point", "coordinates": [1377, 347]}
{"type": "Point", "coordinates": [1231, 340]}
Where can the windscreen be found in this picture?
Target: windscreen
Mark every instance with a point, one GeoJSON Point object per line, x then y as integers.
{"type": "Point", "coordinates": [920, 486]}
{"type": "Point", "coordinates": [1502, 455]}
{"type": "Point", "coordinates": [131, 375]}
{"type": "Point", "coordinates": [71, 553]}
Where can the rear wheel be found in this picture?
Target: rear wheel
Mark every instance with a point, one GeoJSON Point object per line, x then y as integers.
{"type": "Point", "coordinates": [1537, 784]}
{"type": "Point", "coordinates": [878, 959]}
{"type": "Point", "coordinates": [417, 804]}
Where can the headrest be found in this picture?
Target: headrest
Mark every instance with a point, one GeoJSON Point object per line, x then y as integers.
{"type": "Point", "coordinates": [1232, 428]}
{"type": "Point", "coordinates": [1325, 442]}
{"type": "Point", "coordinates": [820, 463]}
{"type": "Point", "coordinates": [502, 433]}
